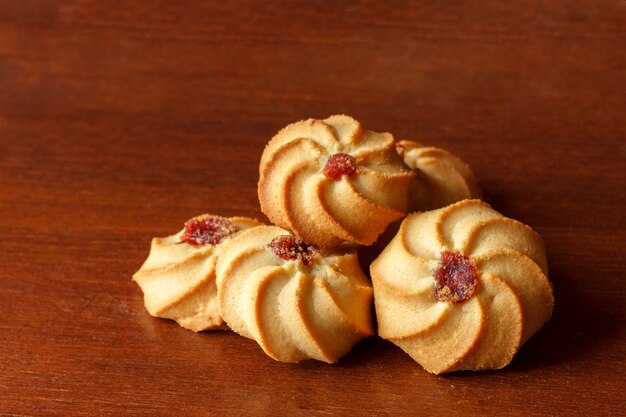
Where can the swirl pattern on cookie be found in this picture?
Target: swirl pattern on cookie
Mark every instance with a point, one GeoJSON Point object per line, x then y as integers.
{"type": "Point", "coordinates": [331, 181]}
{"type": "Point", "coordinates": [178, 277]}
{"type": "Point", "coordinates": [442, 178]}
{"type": "Point", "coordinates": [298, 302]}
{"type": "Point", "coordinates": [462, 287]}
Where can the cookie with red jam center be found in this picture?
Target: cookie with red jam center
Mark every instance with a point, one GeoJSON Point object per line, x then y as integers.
{"type": "Point", "coordinates": [461, 287]}
{"type": "Point", "coordinates": [296, 300]}
{"type": "Point", "coordinates": [332, 180]}
{"type": "Point", "coordinates": [178, 277]}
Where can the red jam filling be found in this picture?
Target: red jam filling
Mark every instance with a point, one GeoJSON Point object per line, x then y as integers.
{"type": "Point", "coordinates": [456, 278]}
{"type": "Point", "coordinates": [338, 165]}
{"type": "Point", "coordinates": [207, 230]}
{"type": "Point", "coordinates": [290, 248]}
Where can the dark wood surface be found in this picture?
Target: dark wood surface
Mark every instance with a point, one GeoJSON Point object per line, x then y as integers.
{"type": "Point", "coordinates": [120, 120]}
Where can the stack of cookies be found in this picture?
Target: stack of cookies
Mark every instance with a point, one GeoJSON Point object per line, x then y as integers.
{"type": "Point", "coordinates": [458, 286]}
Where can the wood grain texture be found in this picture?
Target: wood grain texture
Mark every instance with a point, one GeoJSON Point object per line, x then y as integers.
{"type": "Point", "coordinates": [120, 120]}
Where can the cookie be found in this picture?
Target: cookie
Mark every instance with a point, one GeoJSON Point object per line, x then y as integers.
{"type": "Point", "coordinates": [443, 178]}
{"type": "Point", "coordinates": [178, 277]}
{"type": "Point", "coordinates": [332, 180]}
{"type": "Point", "coordinates": [461, 287]}
{"type": "Point", "coordinates": [297, 301]}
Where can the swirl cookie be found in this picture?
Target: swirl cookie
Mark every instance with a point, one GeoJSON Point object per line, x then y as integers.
{"type": "Point", "coordinates": [178, 277]}
{"type": "Point", "coordinates": [331, 181]}
{"type": "Point", "coordinates": [296, 301]}
{"type": "Point", "coordinates": [462, 287]}
{"type": "Point", "coordinates": [443, 178]}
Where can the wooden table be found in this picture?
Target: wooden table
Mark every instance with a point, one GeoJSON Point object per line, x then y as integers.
{"type": "Point", "coordinates": [120, 120]}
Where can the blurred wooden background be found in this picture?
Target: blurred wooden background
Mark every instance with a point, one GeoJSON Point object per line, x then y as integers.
{"type": "Point", "coordinates": [120, 120]}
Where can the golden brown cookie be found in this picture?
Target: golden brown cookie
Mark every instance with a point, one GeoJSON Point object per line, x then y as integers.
{"type": "Point", "coordinates": [443, 178]}
{"type": "Point", "coordinates": [332, 180]}
{"type": "Point", "coordinates": [462, 287]}
{"type": "Point", "coordinates": [178, 278]}
{"type": "Point", "coordinates": [296, 301]}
